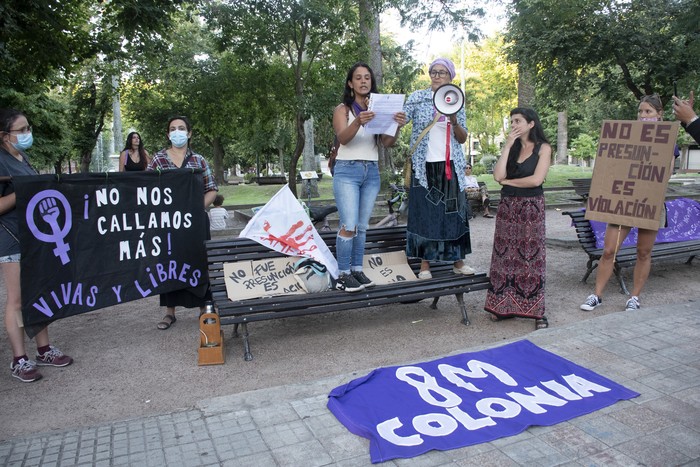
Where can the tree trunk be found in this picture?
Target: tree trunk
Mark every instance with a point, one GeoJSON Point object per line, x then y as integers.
{"type": "Point", "coordinates": [562, 137]}
{"type": "Point", "coordinates": [369, 26]}
{"type": "Point", "coordinates": [297, 153]}
{"type": "Point", "coordinates": [218, 162]}
{"type": "Point", "coordinates": [526, 88]}
{"type": "Point", "coordinates": [310, 187]}
{"type": "Point", "coordinates": [117, 131]}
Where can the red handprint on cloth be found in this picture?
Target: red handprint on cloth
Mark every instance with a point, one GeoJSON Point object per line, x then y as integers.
{"type": "Point", "coordinates": [296, 239]}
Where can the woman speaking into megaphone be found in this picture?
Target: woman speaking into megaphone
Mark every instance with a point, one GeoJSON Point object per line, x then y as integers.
{"type": "Point", "coordinates": [438, 226]}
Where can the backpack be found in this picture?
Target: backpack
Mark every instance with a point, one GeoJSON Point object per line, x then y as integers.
{"type": "Point", "coordinates": [312, 276]}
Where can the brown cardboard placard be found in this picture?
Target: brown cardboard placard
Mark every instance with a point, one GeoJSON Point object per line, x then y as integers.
{"type": "Point", "coordinates": [633, 165]}
{"type": "Point", "coordinates": [386, 268]}
{"type": "Point", "coordinates": [261, 278]}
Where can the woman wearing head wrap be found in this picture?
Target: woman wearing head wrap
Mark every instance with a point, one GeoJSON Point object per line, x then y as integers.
{"type": "Point", "coordinates": [438, 226]}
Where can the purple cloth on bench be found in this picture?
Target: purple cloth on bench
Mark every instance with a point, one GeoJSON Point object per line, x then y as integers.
{"type": "Point", "coordinates": [682, 217]}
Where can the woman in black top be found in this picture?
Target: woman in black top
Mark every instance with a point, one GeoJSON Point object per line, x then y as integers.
{"type": "Point", "coordinates": [17, 137]}
{"type": "Point", "coordinates": [134, 156]}
{"type": "Point", "coordinates": [518, 261]}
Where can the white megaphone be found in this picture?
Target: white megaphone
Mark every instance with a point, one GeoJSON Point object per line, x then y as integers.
{"type": "Point", "coordinates": [448, 99]}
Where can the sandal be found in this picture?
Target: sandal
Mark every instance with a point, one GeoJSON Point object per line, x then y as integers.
{"type": "Point", "coordinates": [488, 215]}
{"type": "Point", "coordinates": [496, 318]}
{"type": "Point", "coordinates": [541, 323]}
{"type": "Point", "coordinates": [168, 320]}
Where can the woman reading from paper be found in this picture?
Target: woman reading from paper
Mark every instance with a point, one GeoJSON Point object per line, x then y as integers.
{"type": "Point", "coordinates": [356, 174]}
{"type": "Point", "coordinates": [518, 261]}
{"type": "Point", "coordinates": [17, 137]}
{"type": "Point", "coordinates": [438, 225]}
{"type": "Point", "coordinates": [180, 156]}
{"type": "Point", "coordinates": [650, 110]}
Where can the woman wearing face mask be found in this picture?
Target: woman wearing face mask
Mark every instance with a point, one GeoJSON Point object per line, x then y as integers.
{"type": "Point", "coordinates": [650, 109]}
{"type": "Point", "coordinates": [16, 138]}
{"type": "Point", "coordinates": [134, 157]}
{"type": "Point", "coordinates": [180, 156]}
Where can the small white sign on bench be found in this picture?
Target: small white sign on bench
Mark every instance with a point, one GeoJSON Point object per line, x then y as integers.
{"type": "Point", "coordinates": [275, 276]}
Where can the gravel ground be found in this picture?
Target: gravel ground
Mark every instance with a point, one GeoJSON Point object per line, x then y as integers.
{"type": "Point", "coordinates": [125, 367]}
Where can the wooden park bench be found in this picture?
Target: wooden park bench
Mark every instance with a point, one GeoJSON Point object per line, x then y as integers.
{"type": "Point", "coordinates": [626, 256]}
{"type": "Point", "coordinates": [582, 186]}
{"type": "Point", "coordinates": [382, 240]}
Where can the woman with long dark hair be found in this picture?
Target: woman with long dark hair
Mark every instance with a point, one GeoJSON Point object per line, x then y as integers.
{"type": "Point", "coordinates": [356, 174]}
{"type": "Point", "coordinates": [518, 260]}
{"type": "Point", "coordinates": [134, 156]}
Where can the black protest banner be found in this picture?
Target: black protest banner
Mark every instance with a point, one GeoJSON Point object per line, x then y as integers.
{"type": "Point", "coordinates": [90, 241]}
{"type": "Point", "coordinates": [632, 168]}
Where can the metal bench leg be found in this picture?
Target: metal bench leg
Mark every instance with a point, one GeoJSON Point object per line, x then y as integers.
{"type": "Point", "coordinates": [234, 334]}
{"type": "Point", "coordinates": [621, 280]}
{"type": "Point", "coordinates": [247, 356]}
{"type": "Point", "coordinates": [433, 306]}
{"type": "Point", "coordinates": [463, 308]}
{"type": "Point", "coordinates": [590, 269]}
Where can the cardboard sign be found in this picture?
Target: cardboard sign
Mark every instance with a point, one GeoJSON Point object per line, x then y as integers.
{"type": "Point", "coordinates": [385, 268]}
{"type": "Point", "coordinates": [262, 278]}
{"type": "Point", "coordinates": [633, 165]}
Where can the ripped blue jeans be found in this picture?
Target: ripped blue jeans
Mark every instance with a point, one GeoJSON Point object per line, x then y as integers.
{"type": "Point", "coordinates": [355, 186]}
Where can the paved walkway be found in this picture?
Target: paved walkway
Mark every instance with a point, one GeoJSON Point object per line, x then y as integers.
{"type": "Point", "coordinates": [655, 352]}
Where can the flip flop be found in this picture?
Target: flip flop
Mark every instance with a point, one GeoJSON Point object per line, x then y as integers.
{"type": "Point", "coordinates": [168, 320]}
{"type": "Point", "coordinates": [488, 215]}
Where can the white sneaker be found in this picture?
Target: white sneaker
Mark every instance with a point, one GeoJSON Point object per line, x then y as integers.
{"type": "Point", "coordinates": [632, 304]}
{"type": "Point", "coordinates": [591, 302]}
{"type": "Point", "coordinates": [425, 275]}
{"type": "Point", "coordinates": [465, 270]}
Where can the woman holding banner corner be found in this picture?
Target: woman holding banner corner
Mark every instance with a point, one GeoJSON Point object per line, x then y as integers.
{"type": "Point", "coordinates": [16, 138]}
{"type": "Point", "coordinates": [650, 110]}
{"type": "Point", "coordinates": [179, 156]}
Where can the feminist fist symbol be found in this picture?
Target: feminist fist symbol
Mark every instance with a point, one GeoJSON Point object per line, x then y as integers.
{"type": "Point", "coordinates": [49, 212]}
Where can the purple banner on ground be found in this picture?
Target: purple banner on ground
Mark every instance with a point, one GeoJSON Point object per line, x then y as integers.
{"type": "Point", "coordinates": [682, 217]}
{"type": "Point", "coordinates": [468, 399]}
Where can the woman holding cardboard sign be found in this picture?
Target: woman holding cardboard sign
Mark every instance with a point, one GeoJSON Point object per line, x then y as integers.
{"type": "Point", "coordinates": [650, 110]}
{"type": "Point", "coordinates": [518, 261]}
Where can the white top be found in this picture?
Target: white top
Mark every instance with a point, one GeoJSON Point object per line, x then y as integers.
{"type": "Point", "coordinates": [437, 142]}
{"type": "Point", "coordinates": [362, 147]}
{"type": "Point", "coordinates": [472, 182]}
{"type": "Point", "coordinates": [217, 218]}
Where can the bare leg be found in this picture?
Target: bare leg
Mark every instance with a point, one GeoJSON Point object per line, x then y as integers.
{"type": "Point", "coordinates": [424, 265]}
{"type": "Point", "coordinates": [645, 243]}
{"type": "Point", "coordinates": [13, 308]}
{"type": "Point", "coordinates": [614, 236]}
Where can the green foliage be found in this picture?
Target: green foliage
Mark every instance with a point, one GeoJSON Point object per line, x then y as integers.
{"type": "Point", "coordinates": [641, 45]}
{"type": "Point", "coordinates": [583, 147]}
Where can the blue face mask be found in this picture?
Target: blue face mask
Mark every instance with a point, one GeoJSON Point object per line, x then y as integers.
{"type": "Point", "coordinates": [24, 141]}
{"type": "Point", "coordinates": [178, 138]}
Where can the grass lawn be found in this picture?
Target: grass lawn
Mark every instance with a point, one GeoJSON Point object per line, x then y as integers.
{"type": "Point", "coordinates": [558, 175]}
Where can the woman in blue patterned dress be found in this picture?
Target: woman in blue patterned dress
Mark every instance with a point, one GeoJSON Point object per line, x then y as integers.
{"type": "Point", "coordinates": [438, 228]}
